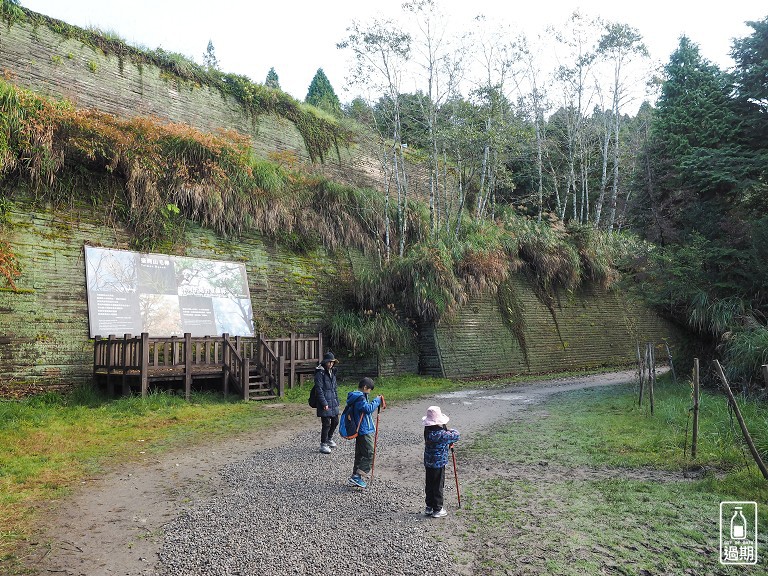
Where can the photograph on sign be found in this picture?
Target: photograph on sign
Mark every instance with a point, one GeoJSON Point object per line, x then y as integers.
{"type": "Point", "coordinates": [164, 295]}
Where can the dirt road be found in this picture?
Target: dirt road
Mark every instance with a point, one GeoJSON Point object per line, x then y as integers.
{"type": "Point", "coordinates": [114, 524]}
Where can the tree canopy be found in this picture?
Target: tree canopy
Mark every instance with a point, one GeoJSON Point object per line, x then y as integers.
{"type": "Point", "coordinates": [321, 94]}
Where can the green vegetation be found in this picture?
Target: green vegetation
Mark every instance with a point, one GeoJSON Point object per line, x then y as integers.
{"type": "Point", "coordinates": [593, 483]}
{"type": "Point", "coordinates": [212, 179]}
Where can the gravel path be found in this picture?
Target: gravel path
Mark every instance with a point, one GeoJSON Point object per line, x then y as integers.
{"type": "Point", "coordinates": [276, 506]}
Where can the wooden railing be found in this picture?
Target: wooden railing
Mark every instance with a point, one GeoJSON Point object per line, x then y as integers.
{"type": "Point", "coordinates": [302, 352]}
{"type": "Point", "coordinates": [144, 359]}
{"type": "Point", "coordinates": [235, 367]}
{"type": "Point", "coordinates": [273, 365]}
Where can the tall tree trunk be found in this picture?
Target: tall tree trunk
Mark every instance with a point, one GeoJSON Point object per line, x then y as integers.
{"type": "Point", "coordinates": [604, 176]}
{"type": "Point", "coordinates": [615, 191]}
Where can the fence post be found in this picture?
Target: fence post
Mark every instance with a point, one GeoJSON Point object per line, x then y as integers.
{"type": "Point", "coordinates": [110, 364]}
{"type": "Point", "coordinates": [126, 354]}
{"type": "Point", "coordinates": [744, 430]}
{"type": "Point", "coordinates": [292, 358]}
{"type": "Point", "coordinates": [695, 438]}
{"type": "Point", "coordinates": [640, 374]}
{"type": "Point", "coordinates": [144, 368]}
{"type": "Point", "coordinates": [281, 376]}
{"type": "Point", "coordinates": [225, 352]}
{"type": "Point", "coordinates": [651, 372]}
{"type": "Point", "coordinates": [245, 373]}
{"type": "Point", "coordinates": [187, 365]}
{"type": "Point", "coordinates": [671, 365]}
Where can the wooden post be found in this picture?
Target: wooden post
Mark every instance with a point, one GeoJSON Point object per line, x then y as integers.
{"type": "Point", "coordinates": [695, 438]}
{"type": "Point", "coordinates": [110, 364]}
{"type": "Point", "coordinates": [174, 351]}
{"type": "Point", "coordinates": [125, 363]}
{"type": "Point", "coordinates": [744, 430]}
{"type": "Point", "coordinates": [765, 373]}
{"type": "Point", "coordinates": [292, 359]}
{"type": "Point", "coordinates": [671, 364]}
{"type": "Point", "coordinates": [144, 369]}
{"type": "Point", "coordinates": [642, 360]}
{"type": "Point", "coordinates": [225, 363]}
{"type": "Point", "coordinates": [245, 374]}
{"type": "Point", "coordinates": [281, 376]}
{"type": "Point", "coordinates": [319, 347]}
{"type": "Point", "coordinates": [651, 372]}
{"type": "Point", "coordinates": [187, 365]}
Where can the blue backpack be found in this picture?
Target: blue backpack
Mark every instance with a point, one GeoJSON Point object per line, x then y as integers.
{"type": "Point", "coordinates": [348, 428]}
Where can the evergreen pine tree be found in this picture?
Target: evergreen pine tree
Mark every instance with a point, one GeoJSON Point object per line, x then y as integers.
{"type": "Point", "coordinates": [209, 58]}
{"type": "Point", "coordinates": [321, 94]}
{"type": "Point", "coordinates": [272, 80]}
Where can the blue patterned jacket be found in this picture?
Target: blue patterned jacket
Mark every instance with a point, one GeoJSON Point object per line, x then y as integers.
{"type": "Point", "coordinates": [436, 444]}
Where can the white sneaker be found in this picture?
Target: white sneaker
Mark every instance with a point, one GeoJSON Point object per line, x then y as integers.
{"type": "Point", "coordinates": [331, 443]}
{"type": "Point", "coordinates": [325, 449]}
{"type": "Point", "coordinates": [439, 513]}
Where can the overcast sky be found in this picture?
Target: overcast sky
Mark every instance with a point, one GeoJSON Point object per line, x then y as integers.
{"type": "Point", "coordinates": [297, 37]}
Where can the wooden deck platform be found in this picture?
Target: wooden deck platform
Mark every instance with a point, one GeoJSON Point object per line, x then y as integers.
{"type": "Point", "coordinates": [256, 368]}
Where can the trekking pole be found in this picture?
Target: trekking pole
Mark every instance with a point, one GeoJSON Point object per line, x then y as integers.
{"type": "Point", "coordinates": [376, 435]}
{"type": "Point", "coordinates": [456, 475]}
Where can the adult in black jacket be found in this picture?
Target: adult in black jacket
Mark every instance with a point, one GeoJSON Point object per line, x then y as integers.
{"type": "Point", "coordinates": [327, 401]}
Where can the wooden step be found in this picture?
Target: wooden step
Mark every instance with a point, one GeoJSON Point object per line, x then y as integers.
{"type": "Point", "coordinates": [263, 397]}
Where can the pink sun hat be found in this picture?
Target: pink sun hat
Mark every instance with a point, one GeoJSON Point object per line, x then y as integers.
{"type": "Point", "coordinates": [434, 417]}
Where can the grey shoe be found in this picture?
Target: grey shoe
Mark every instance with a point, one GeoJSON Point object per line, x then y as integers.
{"type": "Point", "coordinates": [325, 449]}
{"type": "Point", "coordinates": [439, 513]}
{"type": "Point", "coordinates": [428, 511]}
{"type": "Point", "coordinates": [331, 443]}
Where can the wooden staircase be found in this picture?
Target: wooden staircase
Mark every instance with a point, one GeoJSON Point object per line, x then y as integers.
{"type": "Point", "coordinates": [259, 387]}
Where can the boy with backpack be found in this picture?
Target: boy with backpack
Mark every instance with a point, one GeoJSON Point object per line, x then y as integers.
{"type": "Point", "coordinates": [437, 440]}
{"type": "Point", "coordinates": [357, 423]}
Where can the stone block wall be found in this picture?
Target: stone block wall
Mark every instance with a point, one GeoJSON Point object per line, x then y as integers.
{"type": "Point", "coordinates": [37, 58]}
{"type": "Point", "coordinates": [590, 328]}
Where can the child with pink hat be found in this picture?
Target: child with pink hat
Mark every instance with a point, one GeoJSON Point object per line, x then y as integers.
{"type": "Point", "coordinates": [437, 440]}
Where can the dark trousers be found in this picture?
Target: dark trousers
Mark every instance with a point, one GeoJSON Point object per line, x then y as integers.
{"type": "Point", "coordinates": [329, 424]}
{"type": "Point", "coordinates": [363, 454]}
{"type": "Point", "coordinates": [433, 486]}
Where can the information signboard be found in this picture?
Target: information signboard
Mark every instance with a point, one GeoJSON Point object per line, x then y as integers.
{"type": "Point", "coordinates": [131, 293]}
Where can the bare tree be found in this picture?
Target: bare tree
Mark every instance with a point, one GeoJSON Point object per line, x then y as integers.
{"type": "Point", "coordinates": [439, 65]}
{"type": "Point", "coordinates": [574, 77]}
{"type": "Point", "coordinates": [619, 44]}
{"type": "Point", "coordinates": [497, 53]}
{"type": "Point", "coordinates": [380, 52]}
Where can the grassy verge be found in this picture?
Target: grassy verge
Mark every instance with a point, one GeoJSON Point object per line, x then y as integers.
{"type": "Point", "coordinates": [594, 485]}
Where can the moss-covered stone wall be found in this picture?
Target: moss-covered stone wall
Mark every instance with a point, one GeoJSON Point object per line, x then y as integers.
{"type": "Point", "coordinates": [44, 324]}
{"type": "Point", "coordinates": [40, 59]}
{"type": "Point", "coordinates": [587, 329]}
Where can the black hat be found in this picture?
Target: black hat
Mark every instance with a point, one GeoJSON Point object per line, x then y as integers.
{"type": "Point", "coordinates": [329, 357]}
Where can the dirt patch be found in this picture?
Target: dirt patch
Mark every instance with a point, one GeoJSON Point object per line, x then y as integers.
{"type": "Point", "coordinates": [113, 524]}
